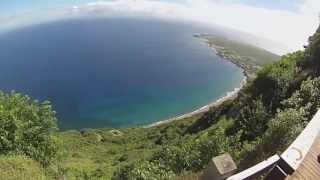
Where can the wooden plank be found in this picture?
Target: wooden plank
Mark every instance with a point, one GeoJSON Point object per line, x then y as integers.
{"type": "Point", "coordinates": [298, 150]}
{"type": "Point", "coordinates": [256, 170]}
{"type": "Point", "coordinates": [299, 161]}
{"type": "Point", "coordinates": [309, 168]}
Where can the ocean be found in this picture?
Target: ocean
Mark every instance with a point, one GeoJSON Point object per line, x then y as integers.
{"type": "Point", "coordinates": [114, 71]}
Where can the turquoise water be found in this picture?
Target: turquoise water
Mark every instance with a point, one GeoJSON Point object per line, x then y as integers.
{"type": "Point", "coordinates": [114, 72]}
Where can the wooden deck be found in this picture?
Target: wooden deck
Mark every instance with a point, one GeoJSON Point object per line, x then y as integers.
{"type": "Point", "coordinates": [309, 169]}
{"type": "Point", "coordinates": [298, 162]}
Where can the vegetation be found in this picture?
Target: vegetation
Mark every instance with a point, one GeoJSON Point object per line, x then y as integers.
{"type": "Point", "coordinates": [20, 167]}
{"type": "Point", "coordinates": [248, 57]}
{"type": "Point", "coordinates": [27, 127]}
{"type": "Point", "coordinates": [277, 104]}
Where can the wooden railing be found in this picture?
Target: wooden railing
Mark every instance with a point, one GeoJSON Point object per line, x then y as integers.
{"type": "Point", "coordinates": [280, 167]}
{"type": "Point", "coordinates": [257, 170]}
{"type": "Point", "coordinates": [298, 150]}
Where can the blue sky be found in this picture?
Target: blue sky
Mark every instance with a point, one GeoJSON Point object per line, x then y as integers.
{"type": "Point", "coordinates": [12, 7]}
{"type": "Point", "coordinates": [284, 21]}
{"type": "Point", "coordinates": [290, 5]}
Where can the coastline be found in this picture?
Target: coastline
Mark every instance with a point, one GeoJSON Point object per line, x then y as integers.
{"type": "Point", "coordinates": [229, 95]}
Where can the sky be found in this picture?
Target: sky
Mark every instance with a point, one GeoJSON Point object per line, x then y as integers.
{"type": "Point", "coordinates": [289, 22]}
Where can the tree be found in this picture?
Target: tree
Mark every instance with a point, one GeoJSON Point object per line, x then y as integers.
{"type": "Point", "coordinates": [313, 53]}
{"type": "Point", "coordinates": [283, 129]}
{"type": "Point", "coordinates": [274, 81]}
{"type": "Point", "coordinates": [144, 171]}
{"type": "Point", "coordinates": [252, 121]}
{"type": "Point", "coordinates": [26, 127]}
{"type": "Point", "coordinates": [307, 97]}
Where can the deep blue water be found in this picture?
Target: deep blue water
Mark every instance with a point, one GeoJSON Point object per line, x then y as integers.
{"type": "Point", "coordinates": [114, 72]}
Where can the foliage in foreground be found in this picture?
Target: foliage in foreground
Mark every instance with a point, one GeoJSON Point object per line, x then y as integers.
{"type": "Point", "coordinates": [276, 105]}
{"type": "Point", "coordinates": [26, 128]}
{"type": "Point", "coordinates": [20, 167]}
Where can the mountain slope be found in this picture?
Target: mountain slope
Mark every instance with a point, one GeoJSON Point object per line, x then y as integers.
{"type": "Point", "coordinates": [277, 104]}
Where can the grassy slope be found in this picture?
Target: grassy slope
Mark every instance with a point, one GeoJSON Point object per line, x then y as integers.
{"type": "Point", "coordinates": [95, 153]}
{"type": "Point", "coordinates": [277, 104]}
{"type": "Point", "coordinates": [258, 55]}
{"type": "Point", "coordinates": [249, 57]}
{"type": "Point", "coordinates": [16, 167]}
{"type": "Point", "coordinates": [104, 151]}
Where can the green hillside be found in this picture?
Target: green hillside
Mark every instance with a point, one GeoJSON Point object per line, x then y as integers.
{"type": "Point", "coordinates": [257, 55]}
{"type": "Point", "coordinates": [277, 104]}
{"type": "Point", "coordinates": [248, 57]}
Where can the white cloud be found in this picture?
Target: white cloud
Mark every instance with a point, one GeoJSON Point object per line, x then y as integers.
{"type": "Point", "coordinates": [310, 7]}
{"type": "Point", "coordinates": [289, 28]}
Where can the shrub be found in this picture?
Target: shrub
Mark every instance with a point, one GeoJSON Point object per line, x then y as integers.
{"type": "Point", "coordinates": [274, 81]}
{"type": "Point", "coordinates": [253, 118]}
{"type": "Point", "coordinates": [27, 126]}
{"type": "Point", "coordinates": [144, 171]}
{"type": "Point", "coordinates": [307, 97]}
{"type": "Point", "coordinates": [20, 167]}
{"type": "Point", "coordinates": [284, 128]}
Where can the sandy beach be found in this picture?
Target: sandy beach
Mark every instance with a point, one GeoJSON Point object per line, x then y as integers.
{"type": "Point", "coordinates": [229, 95]}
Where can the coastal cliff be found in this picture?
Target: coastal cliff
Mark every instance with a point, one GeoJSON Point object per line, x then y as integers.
{"type": "Point", "coordinates": [276, 104]}
{"type": "Point", "coordinates": [248, 57]}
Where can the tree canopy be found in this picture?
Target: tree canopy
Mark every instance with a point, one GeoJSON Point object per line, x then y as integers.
{"type": "Point", "coordinates": [27, 127]}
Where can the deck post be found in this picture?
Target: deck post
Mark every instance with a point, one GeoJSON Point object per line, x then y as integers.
{"type": "Point", "coordinates": [219, 168]}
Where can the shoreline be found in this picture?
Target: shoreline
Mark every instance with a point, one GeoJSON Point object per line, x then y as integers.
{"type": "Point", "coordinates": [228, 96]}
{"type": "Point", "coordinates": [221, 53]}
